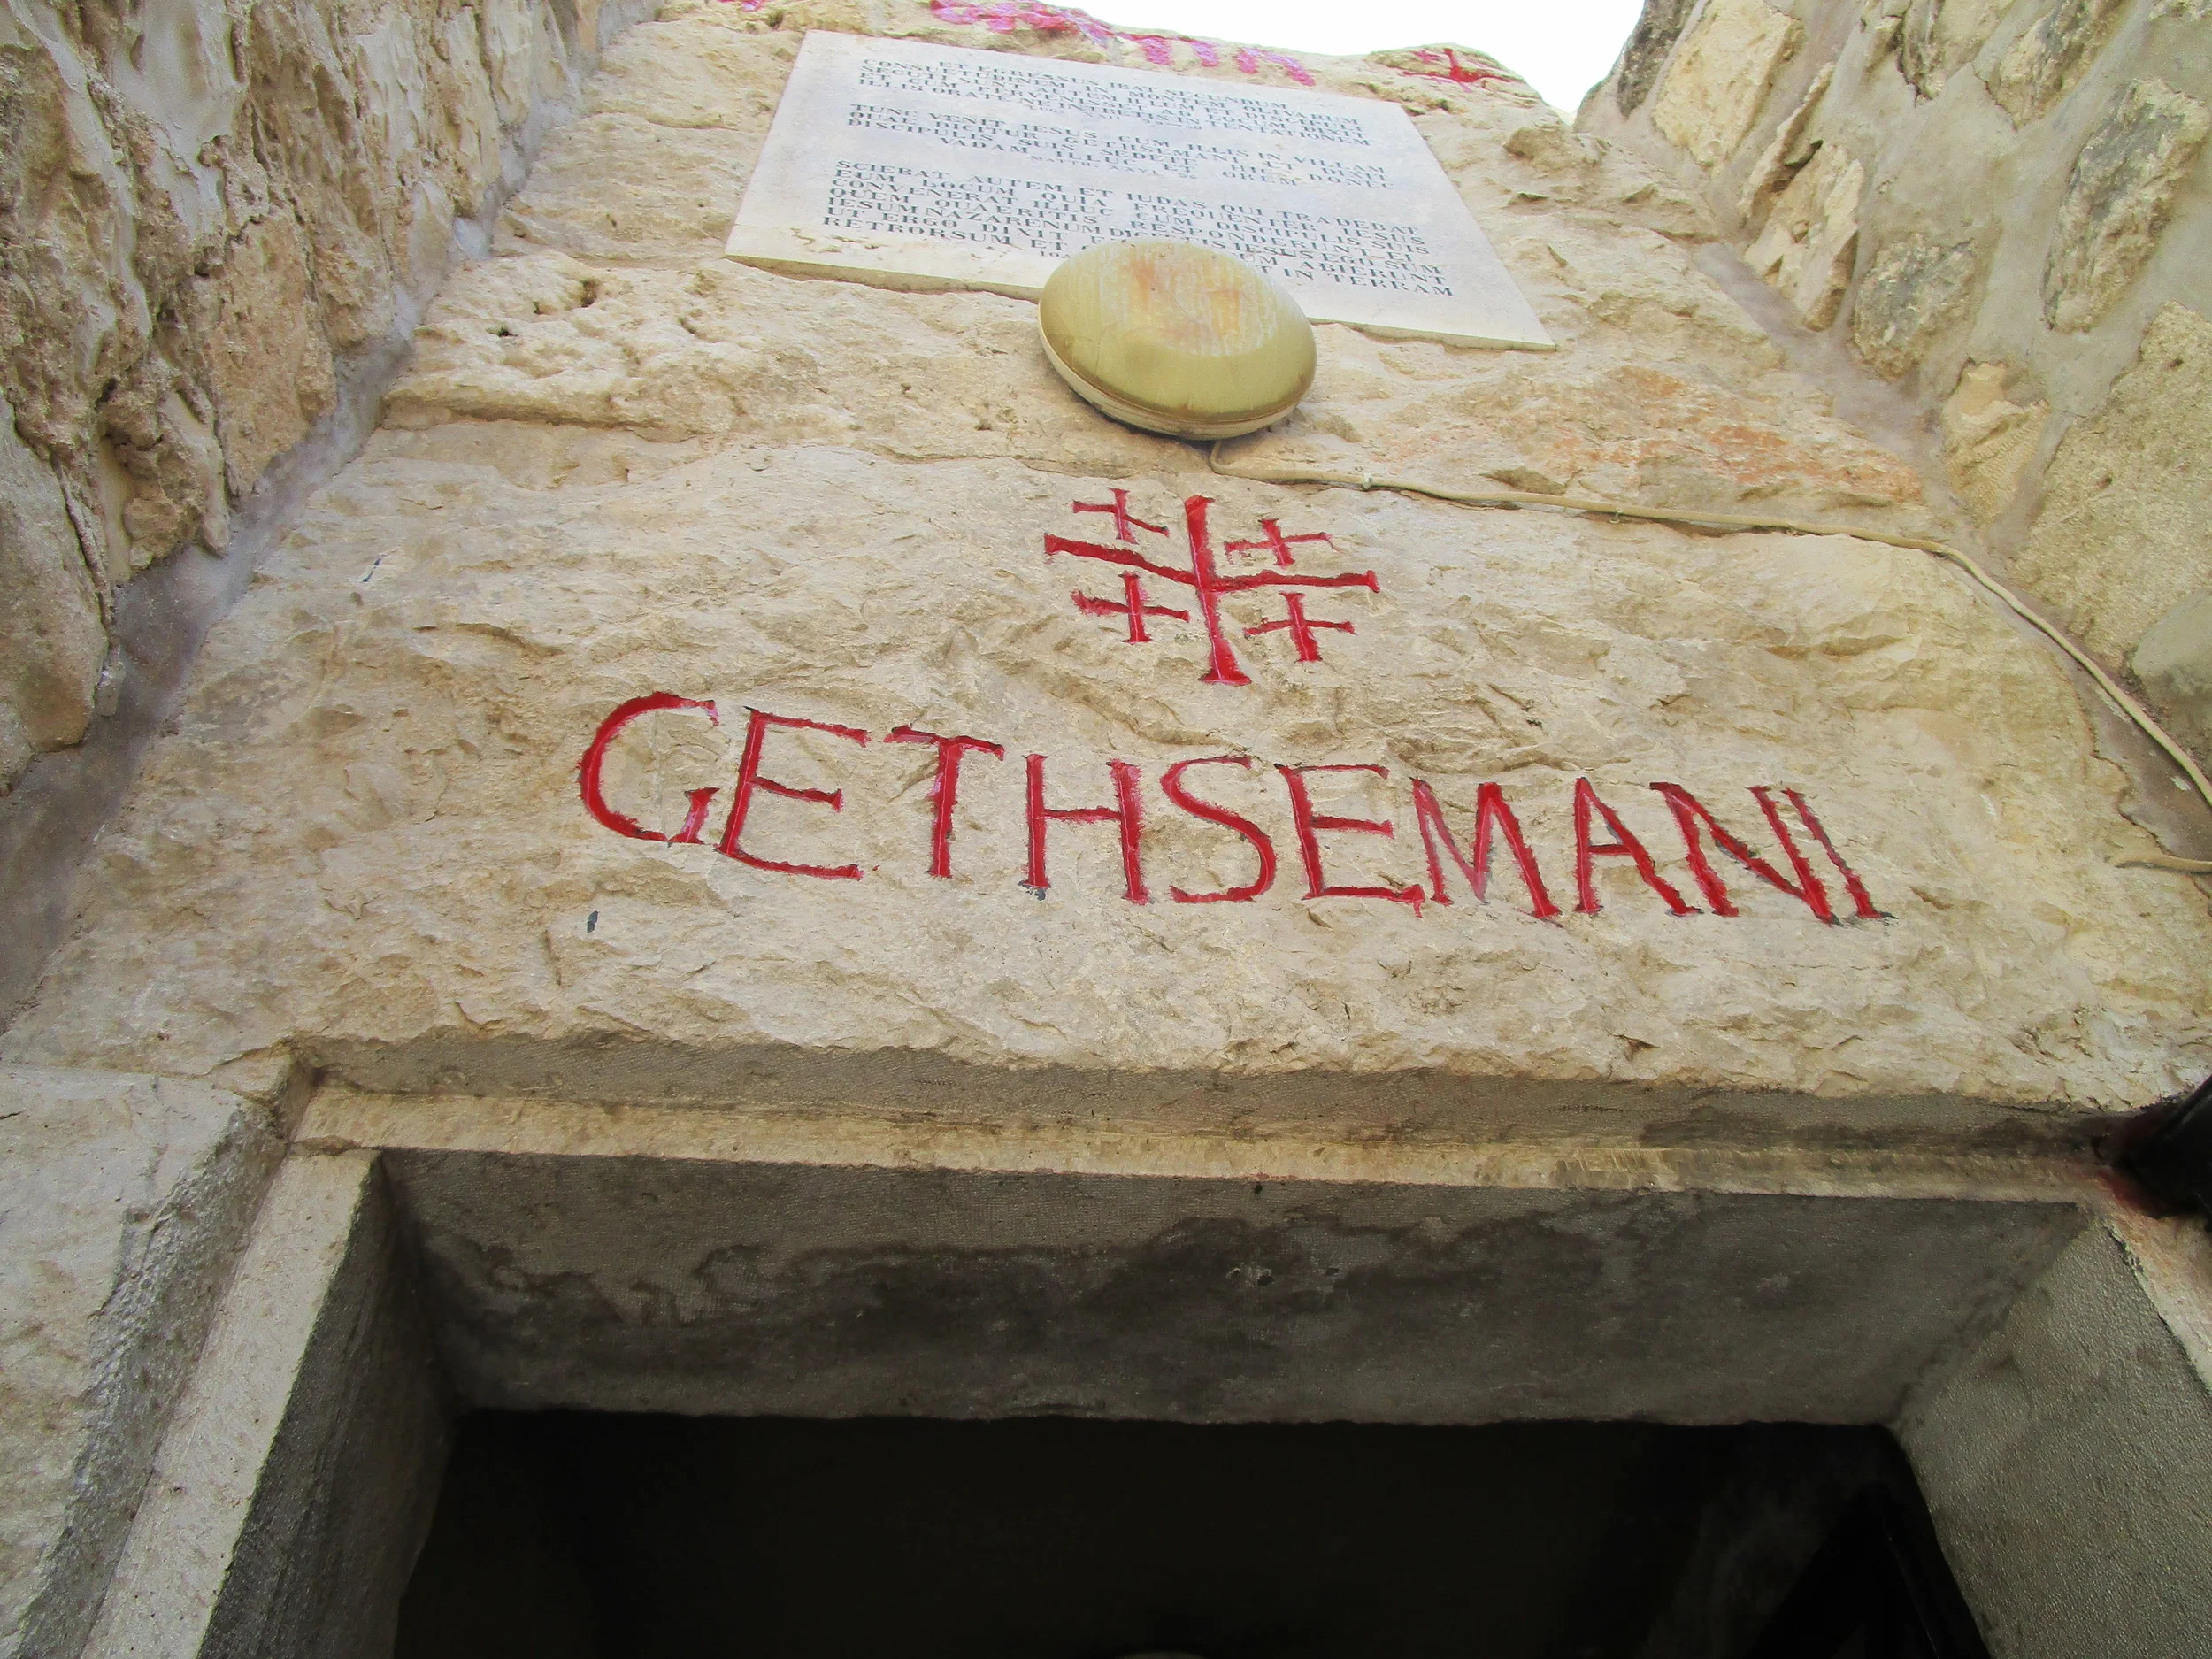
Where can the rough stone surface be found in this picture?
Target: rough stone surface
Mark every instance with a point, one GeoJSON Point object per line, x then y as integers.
{"type": "Point", "coordinates": [2174, 662]}
{"type": "Point", "coordinates": [1989, 439]}
{"type": "Point", "coordinates": [124, 1201]}
{"type": "Point", "coordinates": [1913, 289]}
{"type": "Point", "coordinates": [295, 1484]}
{"type": "Point", "coordinates": [51, 641]}
{"type": "Point", "coordinates": [2118, 199]}
{"type": "Point", "coordinates": [198, 206]}
{"type": "Point", "coordinates": [375, 792]}
{"type": "Point", "coordinates": [1786, 152]}
{"type": "Point", "coordinates": [609, 476]}
{"type": "Point", "coordinates": [1939, 37]}
{"type": "Point", "coordinates": [1721, 74]}
{"type": "Point", "coordinates": [692, 1284]}
{"type": "Point", "coordinates": [268, 360]}
{"type": "Point", "coordinates": [2062, 141]}
{"type": "Point", "coordinates": [617, 187]}
{"type": "Point", "coordinates": [2044, 63]}
{"type": "Point", "coordinates": [1812, 235]}
{"type": "Point", "coordinates": [2120, 540]}
{"type": "Point", "coordinates": [2049, 1456]}
{"type": "Point", "coordinates": [1645, 52]}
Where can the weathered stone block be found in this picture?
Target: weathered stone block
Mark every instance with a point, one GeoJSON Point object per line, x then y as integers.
{"type": "Point", "coordinates": [1988, 440]}
{"type": "Point", "coordinates": [1812, 235]}
{"type": "Point", "coordinates": [1721, 74]}
{"type": "Point", "coordinates": [1939, 37]}
{"type": "Point", "coordinates": [2120, 538]}
{"type": "Point", "coordinates": [267, 356]}
{"type": "Point", "coordinates": [2042, 65]}
{"type": "Point", "coordinates": [1787, 152]}
{"type": "Point", "coordinates": [123, 1203]}
{"type": "Point", "coordinates": [1657, 28]}
{"type": "Point", "coordinates": [2174, 662]}
{"type": "Point", "coordinates": [175, 459]}
{"type": "Point", "coordinates": [694, 72]}
{"type": "Point", "coordinates": [53, 643]}
{"type": "Point", "coordinates": [376, 791]}
{"type": "Point", "coordinates": [1914, 289]}
{"type": "Point", "coordinates": [614, 187]}
{"type": "Point", "coordinates": [2118, 198]}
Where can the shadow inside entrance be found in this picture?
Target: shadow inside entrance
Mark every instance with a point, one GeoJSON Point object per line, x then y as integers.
{"type": "Point", "coordinates": [581, 1536]}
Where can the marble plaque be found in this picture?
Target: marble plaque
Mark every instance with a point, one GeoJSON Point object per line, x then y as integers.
{"type": "Point", "coordinates": [914, 166]}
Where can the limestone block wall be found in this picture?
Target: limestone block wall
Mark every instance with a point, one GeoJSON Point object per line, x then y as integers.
{"type": "Point", "coordinates": [208, 210]}
{"type": "Point", "coordinates": [2003, 207]}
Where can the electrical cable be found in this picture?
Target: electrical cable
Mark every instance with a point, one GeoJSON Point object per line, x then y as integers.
{"type": "Point", "coordinates": [2127, 705]}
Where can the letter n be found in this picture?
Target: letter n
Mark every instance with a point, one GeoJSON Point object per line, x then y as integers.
{"type": "Point", "coordinates": [1689, 812]}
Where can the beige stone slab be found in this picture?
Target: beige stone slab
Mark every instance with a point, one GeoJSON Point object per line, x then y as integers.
{"type": "Point", "coordinates": [655, 1279]}
{"type": "Point", "coordinates": [1710, 95]}
{"type": "Point", "coordinates": [124, 1202]}
{"type": "Point", "coordinates": [295, 1485]}
{"type": "Point", "coordinates": [615, 187]}
{"type": "Point", "coordinates": [2120, 539]}
{"type": "Point", "coordinates": [923, 166]}
{"type": "Point", "coordinates": [2065, 1457]}
{"type": "Point", "coordinates": [1663, 394]}
{"type": "Point", "coordinates": [1122, 1141]}
{"type": "Point", "coordinates": [366, 841]}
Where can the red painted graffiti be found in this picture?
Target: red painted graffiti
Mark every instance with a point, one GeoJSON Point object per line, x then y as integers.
{"type": "Point", "coordinates": [1493, 817]}
{"type": "Point", "coordinates": [1689, 812]}
{"type": "Point", "coordinates": [1459, 74]}
{"type": "Point", "coordinates": [1624, 845]}
{"type": "Point", "coordinates": [1005, 17]}
{"type": "Point", "coordinates": [1208, 584]}
{"type": "Point", "coordinates": [1861, 901]}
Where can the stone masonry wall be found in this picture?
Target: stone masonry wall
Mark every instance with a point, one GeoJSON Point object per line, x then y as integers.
{"type": "Point", "coordinates": [2005, 208]}
{"type": "Point", "coordinates": [206, 210]}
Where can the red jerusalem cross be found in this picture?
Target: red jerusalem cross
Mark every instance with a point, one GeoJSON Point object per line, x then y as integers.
{"type": "Point", "coordinates": [1206, 583]}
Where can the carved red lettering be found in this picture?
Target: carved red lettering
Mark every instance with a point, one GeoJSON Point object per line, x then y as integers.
{"type": "Point", "coordinates": [1862, 902]}
{"type": "Point", "coordinates": [749, 778]}
{"type": "Point", "coordinates": [1127, 812]}
{"type": "Point", "coordinates": [1308, 821]}
{"type": "Point", "coordinates": [1689, 812]}
{"type": "Point", "coordinates": [588, 770]}
{"type": "Point", "coordinates": [1171, 785]}
{"type": "Point", "coordinates": [1492, 815]}
{"type": "Point", "coordinates": [1624, 845]}
{"type": "Point", "coordinates": [944, 790]}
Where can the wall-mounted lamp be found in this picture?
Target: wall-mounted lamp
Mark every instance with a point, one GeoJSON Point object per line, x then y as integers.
{"type": "Point", "coordinates": [1174, 338]}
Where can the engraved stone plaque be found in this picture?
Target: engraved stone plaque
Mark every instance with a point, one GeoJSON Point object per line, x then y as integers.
{"type": "Point", "coordinates": [913, 165]}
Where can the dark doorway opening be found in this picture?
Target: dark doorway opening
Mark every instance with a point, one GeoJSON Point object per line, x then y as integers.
{"type": "Point", "coordinates": [581, 1536]}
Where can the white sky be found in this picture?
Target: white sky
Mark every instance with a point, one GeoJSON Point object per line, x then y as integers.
{"type": "Point", "coordinates": [1561, 47]}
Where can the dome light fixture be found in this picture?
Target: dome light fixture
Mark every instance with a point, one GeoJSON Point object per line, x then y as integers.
{"type": "Point", "coordinates": [1174, 338]}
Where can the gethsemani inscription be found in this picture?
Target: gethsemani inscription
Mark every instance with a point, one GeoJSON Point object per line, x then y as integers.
{"type": "Point", "coordinates": [1491, 827]}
